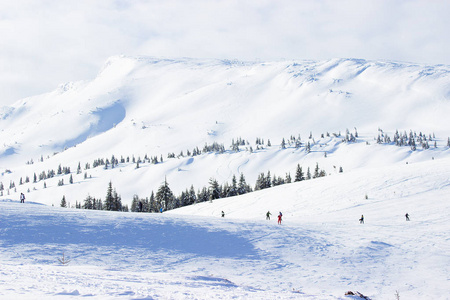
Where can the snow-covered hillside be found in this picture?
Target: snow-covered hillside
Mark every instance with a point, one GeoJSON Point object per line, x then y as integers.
{"type": "Point", "coordinates": [379, 130]}
{"type": "Point", "coordinates": [320, 251]}
{"type": "Point", "coordinates": [147, 106]}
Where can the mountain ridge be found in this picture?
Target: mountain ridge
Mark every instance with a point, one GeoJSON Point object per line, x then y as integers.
{"type": "Point", "coordinates": [138, 106]}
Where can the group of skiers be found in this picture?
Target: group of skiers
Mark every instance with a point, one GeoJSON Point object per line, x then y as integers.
{"type": "Point", "coordinates": [361, 220]}
{"type": "Point", "coordinates": [280, 216]}
{"type": "Point", "coordinates": [268, 214]}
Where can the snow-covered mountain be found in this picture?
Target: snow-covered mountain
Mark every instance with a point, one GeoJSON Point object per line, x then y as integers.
{"type": "Point", "coordinates": [146, 106]}
{"type": "Point", "coordinates": [337, 114]}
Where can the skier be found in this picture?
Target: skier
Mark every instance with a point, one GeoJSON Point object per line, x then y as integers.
{"type": "Point", "coordinates": [223, 214]}
{"type": "Point", "coordinates": [268, 215]}
{"type": "Point", "coordinates": [361, 221]}
{"type": "Point", "coordinates": [407, 217]}
{"type": "Point", "coordinates": [279, 217]}
{"type": "Point", "coordinates": [22, 198]}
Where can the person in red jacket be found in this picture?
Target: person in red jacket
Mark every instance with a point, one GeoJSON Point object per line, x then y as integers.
{"type": "Point", "coordinates": [279, 217]}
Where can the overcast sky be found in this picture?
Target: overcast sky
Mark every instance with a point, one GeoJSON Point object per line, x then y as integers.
{"type": "Point", "coordinates": [44, 43]}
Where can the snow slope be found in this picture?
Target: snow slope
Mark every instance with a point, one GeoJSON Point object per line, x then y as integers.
{"type": "Point", "coordinates": [139, 106]}
{"type": "Point", "coordinates": [319, 252]}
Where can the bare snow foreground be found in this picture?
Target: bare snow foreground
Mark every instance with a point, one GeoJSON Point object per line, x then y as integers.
{"type": "Point", "coordinates": [319, 252]}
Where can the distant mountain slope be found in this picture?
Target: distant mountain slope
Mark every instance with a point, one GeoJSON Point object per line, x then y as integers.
{"type": "Point", "coordinates": [138, 106]}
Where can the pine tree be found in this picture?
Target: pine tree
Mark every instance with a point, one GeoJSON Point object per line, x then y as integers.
{"type": "Point", "coordinates": [88, 203]}
{"type": "Point", "coordinates": [260, 182]}
{"type": "Point", "coordinates": [153, 205]}
{"type": "Point", "coordinates": [268, 180]}
{"type": "Point", "coordinates": [203, 195]}
{"type": "Point", "coordinates": [316, 171]}
{"type": "Point", "coordinates": [233, 188]}
{"type": "Point", "coordinates": [135, 203]}
{"type": "Point", "coordinates": [288, 178]}
{"type": "Point", "coordinates": [283, 144]}
{"type": "Point", "coordinates": [63, 201]}
{"type": "Point", "coordinates": [117, 201]}
{"type": "Point", "coordinates": [214, 188]}
{"type": "Point", "coordinates": [192, 196]}
{"type": "Point", "coordinates": [242, 187]}
{"type": "Point", "coordinates": [109, 199]}
{"type": "Point", "coordinates": [164, 196]}
{"type": "Point", "coordinates": [299, 176]}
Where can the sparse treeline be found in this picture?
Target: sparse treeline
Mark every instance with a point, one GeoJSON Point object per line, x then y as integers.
{"type": "Point", "coordinates": [412, 140]}
{"type": "Point", "coordinates": [164, 199]}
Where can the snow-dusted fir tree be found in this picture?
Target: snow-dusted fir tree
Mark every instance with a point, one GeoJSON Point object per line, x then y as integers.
{"type": "Point", "coordinates": [299, 176]}
{"type": "Point", "coordinates": [233, 187]}
{"type": "Point", "coordinates": [243, 188]}
{"type": "Point", "coordinates": [164, 196]}
{"type": "Point", "coordinates": [214, 189]}
{"type": "Point", "coordinates": [109, 199]}
{"type": "Point", "coordinates": [63, 201]}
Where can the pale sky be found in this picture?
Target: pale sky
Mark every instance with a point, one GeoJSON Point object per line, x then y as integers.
{"type": "Point", "coordinates": [44, 43]}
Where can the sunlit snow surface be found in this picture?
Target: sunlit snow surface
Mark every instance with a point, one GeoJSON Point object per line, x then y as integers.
{"type": "Point", "coordinates": [147, 106]}
{"type": "Point", "coordinates": [320, 251]}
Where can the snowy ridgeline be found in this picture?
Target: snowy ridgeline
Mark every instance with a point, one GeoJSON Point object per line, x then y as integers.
{"type": "Point", "coordinates": [320, 251]}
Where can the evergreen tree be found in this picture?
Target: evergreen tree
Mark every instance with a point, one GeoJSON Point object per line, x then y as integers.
{"type": "Point", "coordinates": [316, 171]}
{"type": "Point", "coordinates": [308, 174]}
{"type": "Point", "coordinates": [109, 199]}
{"type": "Point", "coordinates": [63, 201]}
{"type": "Point", "coordinates": [71, 179]}
{"type": "Point", "coordinates": [192, 196]}
{"type": "Point", "coordinates": [117, 201]}
{"type": "Point", "coordinates": [88, 203]}
{"type": "Point", "coordinates": [283, 144]}
{"type": "Point", "coordinates": [164, 196]}
{"type": "Point", "coordinates": [299, 176]}
{"type": "Point", "coordinates": [288, 178]}
{"type": "Point", "coordinates": [152, 203]}
{"type": "Point", "coordinates": [233, 188]}
{"type": "Point", "coordinates": [214, 188]}
{"type": "Point", "coordinates": [268, 183]}
{"type": "Point", "coordinates": [260, 182]}
{"type": "Point", "coordinates": [135, 203]}
{"type": "Point", "coordinates": [203, 195]}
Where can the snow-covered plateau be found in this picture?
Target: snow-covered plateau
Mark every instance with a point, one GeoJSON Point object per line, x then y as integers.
{"type": "Point", "coordinates": [378, 130]}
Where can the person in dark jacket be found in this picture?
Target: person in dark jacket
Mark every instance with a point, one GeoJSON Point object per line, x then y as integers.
{"type": "Point", "coordinates": [361, 220]}
{"type": "Point", "coordinates": [407, 217]}
{"type": "Point", "coordinates": [268, 215]}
